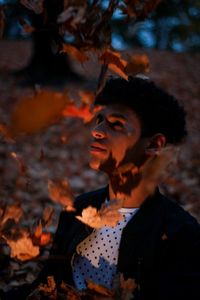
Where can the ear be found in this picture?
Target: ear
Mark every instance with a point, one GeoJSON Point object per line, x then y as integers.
{"type": "Point", "coordinates": [155, 144]}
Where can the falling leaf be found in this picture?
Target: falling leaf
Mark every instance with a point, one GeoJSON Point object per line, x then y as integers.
{"type": "Point", "coordinates": [47, 215]}
{"type": "Point", "coordinates": [74, 15]}
{"type": "Point", "coordinates": [115, 62]}
{"type": "Point", "coordinates": [13, 212]}
{"type": "Point", "coordinates": [137, 64]}
{"type": "Point", "coordinates": [38, 230]}
{"type": "Point", "coordinates": [128, 286]}
{"type": "Point", "coordinates": [70, 291]}
{"type": "Point", "coordinates": [157, 167]}
{"type": "Point", "coordinates": [45, 238]}
{"type": "Point", "coordinates": [87, 97]}
{"type": "Point", "coordinates": [82, 112]}
{"type": "Point", "coordinates": [49, 289]}
{"type": "Point", "coordinates": [108, 215]}
{"type": "Point", "coordinates": [100, 289]}
{"type": "Point", "coordinates": [21, 164]}
{"type": "Point", "coordinates": [23, 249]}
{"type": "Point", "coordinates": [35, 113]}
{"type": "Point", "coordinates": [61, 192]}
{"type": "Point", "coordinates": [35, 5]}
{"type": "Point", "coordinates": [75, 53]}
{"type": "Point", "coordinates": [4, 131]}
{"type": "Point", "coordinates": [26, 26]}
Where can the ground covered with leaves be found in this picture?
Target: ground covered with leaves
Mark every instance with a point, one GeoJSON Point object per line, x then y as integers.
{"type": "Point", "coordinates": [58, 152]}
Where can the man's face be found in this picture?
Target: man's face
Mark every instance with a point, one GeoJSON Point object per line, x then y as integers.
{"type": "Point", "coordinates": [116, 139]}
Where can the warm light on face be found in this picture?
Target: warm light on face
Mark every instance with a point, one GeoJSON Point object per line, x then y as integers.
{"type": "Point", "coordinates": [115, 133]}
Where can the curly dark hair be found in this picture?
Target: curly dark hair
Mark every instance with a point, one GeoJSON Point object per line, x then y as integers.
{"type": "Point", "coordinates": [158, 111]}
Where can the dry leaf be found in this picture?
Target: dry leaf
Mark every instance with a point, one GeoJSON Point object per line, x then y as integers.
{"type": "Point", "coordinates": [108, 215]}
{"type": "Point", "coordinates": [75, 53]}
{"type": "Point", "coordinates": [47, 216]}
{"type": "Point", "coordinates": [49, 289]}
{"type": "Point", "coordinates": [38, 230]}
{"type": "Point", "coordinates": [70, 291]}
{"type": "Point", "coordinates": [137, 64]}
{"type": "Point", "coordinates": [61, 192]}
{"type": "Point", "coordinates": [13, 212]}
{"type": "Point", "coordinates": [82, 112]}
{"type": "Point", "coordinates": [21, 164]}
{"type": "Point", "coordinates": [45, 238]}
{"type": "Point", "coordinates": [35, 113]}
{"type": "Point", "coordinates": [156, 168]}
{"type": "Point", "coordinates": [100, 289]}
{"type": "Point", "coordinates": [115, 62]}
{"type": "Point", "coordinates": [73, 14]}
{"type": "Point", "coordinates": [128, 286]}
{"type": "Point", "coordinates": [35, 5]}
{"type": "Point", "coordinates": [23, 249]}
{"type": "Point", "coordinates": [4, 131]}
{"type": "Point", "coordinates": [124, 289]}
{"type": "Point", "coordinates": [26, 26]}
{"type": "Point", "coordinates": [87, 97]}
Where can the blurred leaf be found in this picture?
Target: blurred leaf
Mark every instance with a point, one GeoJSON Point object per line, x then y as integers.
{"type": "Point", "coordinates": [157, 167]}
{"type": "Point", "coordinates": [61, 192]}
{"type": "Point", "coordinates": [137, 64]}
{"type": "Point", "coordinates": [75, 53]}
{"type": "Point", "coordinates": [82, 112]}
{"type": "Point", "coordinates": [73, 14]}
{"type": "Point", "coordinates": [23, 249]}
{"type": "Point", "coordinates": [114, 62]}
{"type": "Point", "coordinates": [108, 215]}
{"type": "Point", "coordinates": [26, 26]}
{"type": "Point", "coordinates": [14, 212]}
{"type": "Point", "coordinates": [33, 114]}
{"type": "Point", "coordinates": [100, 289]}
{"type": "Point", "coordinates": [20, 162]}
{"type": "Point", "coordinates": [35, 5]}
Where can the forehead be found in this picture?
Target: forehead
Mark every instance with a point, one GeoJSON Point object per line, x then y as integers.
{"type": "Point", "coordinates": [118, 111]}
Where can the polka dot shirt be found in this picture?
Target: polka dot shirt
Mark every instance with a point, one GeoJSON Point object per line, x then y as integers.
{"type": "Point", "coordinates": [96, 257]}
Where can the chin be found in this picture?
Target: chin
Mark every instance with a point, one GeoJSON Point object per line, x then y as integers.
{"type": "Point", "coordinates": [94, 164]}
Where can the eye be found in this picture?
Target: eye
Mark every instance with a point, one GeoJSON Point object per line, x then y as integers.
{"type": "Point", "coordinates": [116, 125]}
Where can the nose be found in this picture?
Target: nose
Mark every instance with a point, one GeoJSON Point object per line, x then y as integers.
{"type": "Point", "coordinates": [98, 132]}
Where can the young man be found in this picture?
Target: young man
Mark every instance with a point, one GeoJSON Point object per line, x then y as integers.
{"type": "Point", "coordinates": [155, 242]}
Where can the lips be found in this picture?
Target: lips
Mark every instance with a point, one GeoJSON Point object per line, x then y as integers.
{"type": "Point", "coordinates": [97, 147]}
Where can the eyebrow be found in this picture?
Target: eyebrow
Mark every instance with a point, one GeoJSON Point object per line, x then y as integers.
{"type": "Point", "coordinates": [113, 115]}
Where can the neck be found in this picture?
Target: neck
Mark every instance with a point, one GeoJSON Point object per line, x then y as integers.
{"type": "Point", "coordinates": [134, 199]}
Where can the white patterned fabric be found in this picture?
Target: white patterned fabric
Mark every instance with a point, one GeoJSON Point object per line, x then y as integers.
{"type": "Point", "coordinates": [96, 257]}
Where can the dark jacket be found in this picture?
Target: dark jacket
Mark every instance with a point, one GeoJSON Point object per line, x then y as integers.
{"type": "Point", "coordinates": [160, 248]}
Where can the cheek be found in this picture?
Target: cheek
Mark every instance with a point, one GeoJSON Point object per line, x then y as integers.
{"type": "Point", "coordinates": [120, 149]}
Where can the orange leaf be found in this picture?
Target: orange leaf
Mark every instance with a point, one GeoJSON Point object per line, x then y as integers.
{"type": "Point", "coordinates": [137, 64]}
{"type": "Point", "coordinates": [38, 230]}
{"type": "Point", "coordinates": [75, 53]}
{"type": "Point", "coordinates": [99, 288]}
{"type": "Point", "coordinates": [21, 164]}
{"type": "Point", "coordinates": [60, 192]}
{"type": "Point", "coordinates": [82, 112]}
{"type": "Point", "coordinates": [86, 97]}
{"type": "Point", "coordinates": [23, 248]}
{"type": "Point", "coordinates": [35, 113]}
{"type": "Point", "coordinates": [108, 215]}
{"type": "Point", "coordinates": [45, 238]}
{"type": "Point", "coordinates": [12, 212]}
{"type": "Point", "coordinates": [115, 62]}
